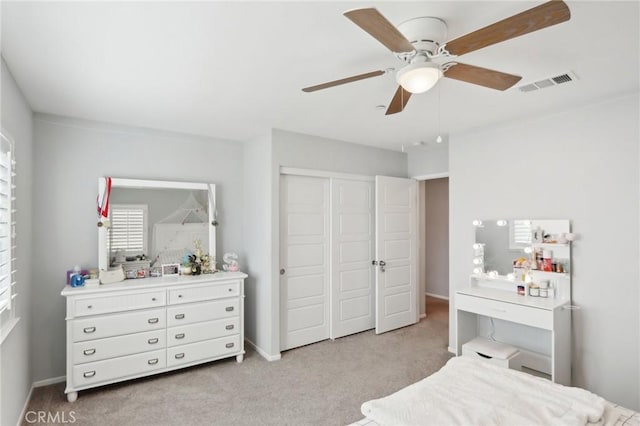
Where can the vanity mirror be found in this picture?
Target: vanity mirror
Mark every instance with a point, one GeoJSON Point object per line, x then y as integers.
{"type": "Point", "coordinates": [499, 242]}
{"type": "Point", "coordinates": [151, 223]}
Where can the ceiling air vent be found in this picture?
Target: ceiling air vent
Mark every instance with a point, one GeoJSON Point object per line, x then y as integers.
{"type": "Point", "coordinates": [549, 82]}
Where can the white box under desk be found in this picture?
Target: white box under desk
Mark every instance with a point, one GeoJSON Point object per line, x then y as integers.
{"type": "Point", "coordinates": [497, 298]}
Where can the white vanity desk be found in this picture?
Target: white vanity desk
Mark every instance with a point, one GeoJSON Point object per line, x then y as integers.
{"type": "Point", "coordinates": [136, 328]}
{"type": "Point", "coordinates": [483, 298]}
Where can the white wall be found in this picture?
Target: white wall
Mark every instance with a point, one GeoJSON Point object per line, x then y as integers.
{"type": "Point", "coordinates": [70, 155]}
{"type": "Point", "coordinates": [580, 165]}
{"type": "Point", "coordinates": [312, 152]}
{"type": "Point", "coordinates": [16, 119]}
{"type": "Point", "coordinates": [428, 160]}
{"type": "Point", "coordinates": [260, 320]}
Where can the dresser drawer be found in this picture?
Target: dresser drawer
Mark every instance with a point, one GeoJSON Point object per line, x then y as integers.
{"type": "Point", "coordinates": [206, 311]}
{"type": "Point", "coordinates": [116, 368]}
{"type": "Point", "coordinates": [113, 347]}
{"type": "Point", "coordinates": [202, 350]}
{"type": "Point", "coordinates": [114, 325]}
{"type": "Point", "coordinates": [124, 301]}
{"type": "Point", "coordinates": [203, 292]}
{"type": "Point", "coordinates": [527, 315]}
{"type": "Point", "coordinates": [202, 331]}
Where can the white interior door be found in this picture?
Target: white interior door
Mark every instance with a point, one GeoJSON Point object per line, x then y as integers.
{"type": "Point", "coordinates": [352, 275]}
{"type": "Point", "coordinates": [396, 253]}
{"type": "Point", "coordinates": [304, 259]}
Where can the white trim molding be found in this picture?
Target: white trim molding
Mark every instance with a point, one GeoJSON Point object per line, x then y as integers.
{"type": "Point", "coordinates": [432, 176]}
{"type": "Point", "coordinates": [38, 384]}
{"type": "Point", "coordinates": [50, 381]}
{"type": "Point", "coordinates": [437, 296]}
{"type": "Point", "coordinates": [262, 352]}
{"type": "Point", "coordinates": [322, 173]}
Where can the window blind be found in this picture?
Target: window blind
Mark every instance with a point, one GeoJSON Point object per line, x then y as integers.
{"type": "Point", "coordinates": [128, 228]}
{"type": "Point", "coordinates": [7, 225]}
{"type": "Point", "coordinates": [520, 233]}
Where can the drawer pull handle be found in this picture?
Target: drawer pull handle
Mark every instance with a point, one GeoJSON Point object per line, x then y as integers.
{"type": "Point", "coordinates": [89, 351]}
{"type": "Point", "coordinates": [180, 336]}
{"type": "Point", "coordinates": [153, 299]}
{"type": "Point", "coordinates": [89, 329]}
{"type": "Point", "coordinates": [229, 308]}
{"type": "Point", "coordinates": [153, 320]}
{"type": "Point", "coordinates": [89, 306]}
{"type": "Point", "coordinates": [179, 296]}
{"type": "Point", "coordinates": [89, 374]}
{"type": "Point", "coordinates": [230, 290]}
{"type": "Point", "coordinates": [180, 355]}
{"type": "Point", "coordinates": [152, 361]}
{"type": "Point", "coordinates": [229, 345]}
{"type": "Point", "coordinates": [179, 316]}
{"type": "Point", "coordinates": [153, 341]}
{"type": "Point", "coordinates": [229, 327]}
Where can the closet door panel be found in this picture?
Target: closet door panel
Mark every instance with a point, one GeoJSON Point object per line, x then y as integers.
{"type": "Point", "coordinates": [304, 260]}
{"type": "Point", "coordinates": [352, 218]}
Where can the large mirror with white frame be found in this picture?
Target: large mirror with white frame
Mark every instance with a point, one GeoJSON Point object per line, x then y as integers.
{"type": "Point", "coordinates": [149, 223]}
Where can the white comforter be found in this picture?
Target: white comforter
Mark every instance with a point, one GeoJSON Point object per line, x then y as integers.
{"type": "Point", "coordinates": [470, 392]}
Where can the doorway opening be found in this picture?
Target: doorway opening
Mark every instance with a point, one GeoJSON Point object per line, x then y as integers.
{"type": "Point", "coordinates": [433, 265]}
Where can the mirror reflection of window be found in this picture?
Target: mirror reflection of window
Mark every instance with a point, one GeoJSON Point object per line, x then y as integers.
{"type": "Point", "coordinates": [520, 233]}
{"type": "Point", "coordinates": [128, 231]}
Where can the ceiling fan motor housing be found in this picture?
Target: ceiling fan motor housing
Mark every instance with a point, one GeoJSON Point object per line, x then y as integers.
{"type": "Point", "coordinates": [426, 34]}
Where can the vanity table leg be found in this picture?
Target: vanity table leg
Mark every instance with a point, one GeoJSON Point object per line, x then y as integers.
{"type": "Point", "coordinates": [240, 358]}
{"type": "Point", "coordinates": [561, 347]}
{"type": "Point", "coordinates": [72, 396]}
{"type": "Point", "coordinates": [466, 329]}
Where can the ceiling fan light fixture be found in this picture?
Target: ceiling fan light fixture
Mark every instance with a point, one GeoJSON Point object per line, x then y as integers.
{"type": "Point", "coordinates": [419, 77]}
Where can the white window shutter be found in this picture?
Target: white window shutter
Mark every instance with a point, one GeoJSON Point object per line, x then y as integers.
{"type": "Point", "coordinates": [520, 233]}
{"type": "Point", "coordinates": [7, 225]}
{"type": "Point", "coordinates": [128, 228]}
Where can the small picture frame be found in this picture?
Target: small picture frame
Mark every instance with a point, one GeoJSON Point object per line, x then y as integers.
{"type": "Point", "coordinates": [169, 269]}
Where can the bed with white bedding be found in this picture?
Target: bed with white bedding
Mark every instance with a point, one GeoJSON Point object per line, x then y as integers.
{"type": "Point", "coordinates": [470, 392]}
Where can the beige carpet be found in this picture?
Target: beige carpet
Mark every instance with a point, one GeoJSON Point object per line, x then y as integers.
{"type": "Point", "coordinates": [320, 384]}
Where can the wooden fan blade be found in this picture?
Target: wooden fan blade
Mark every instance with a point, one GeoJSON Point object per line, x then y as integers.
{"type": "Point", "coordinates": [378, 27]}
{"type": "Point", "coordinates": [547, 14]}
{"type": "Point", "coordinates": [482, 76]}
{"type": "Point", "coordinates": [343, 81]}
{"type": "Point", "coordinates": [399, 101]}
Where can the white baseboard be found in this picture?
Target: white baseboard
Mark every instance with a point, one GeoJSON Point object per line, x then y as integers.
{"type": "Point", "coordinates": [262, 352]}
{"type": "Point", "coordinates": [437, 296]}
{"type": "Point", "coordinates": [47, 382]}
{"type": "Point", "coordinates": [451, 350]}
{"type": "Point", "coordinates": [39, 383]}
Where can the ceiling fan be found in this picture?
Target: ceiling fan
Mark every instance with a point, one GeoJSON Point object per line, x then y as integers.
{"type": "Point", "coordinates": [420, 40]}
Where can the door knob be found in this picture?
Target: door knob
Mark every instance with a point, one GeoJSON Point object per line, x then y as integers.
{"type": "Point", "coordinates": [282, 271]}
{"type": "Point", "coordinates": [382, 264]}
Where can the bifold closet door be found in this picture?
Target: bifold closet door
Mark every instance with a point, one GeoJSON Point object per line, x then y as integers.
{"type": "Point", "coordinates": [304, 260]}
{"type": "Point", "coordinates": [396, 253]}
{"type": "Point", "coordinates": [352, 274]}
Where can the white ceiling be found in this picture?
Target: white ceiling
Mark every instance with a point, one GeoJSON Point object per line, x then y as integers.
{"type": "Point", "coordinates": [232, 69]}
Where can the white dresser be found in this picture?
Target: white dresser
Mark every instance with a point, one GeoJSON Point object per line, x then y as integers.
{"type": "Point", "coordinates": [136, 328]}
